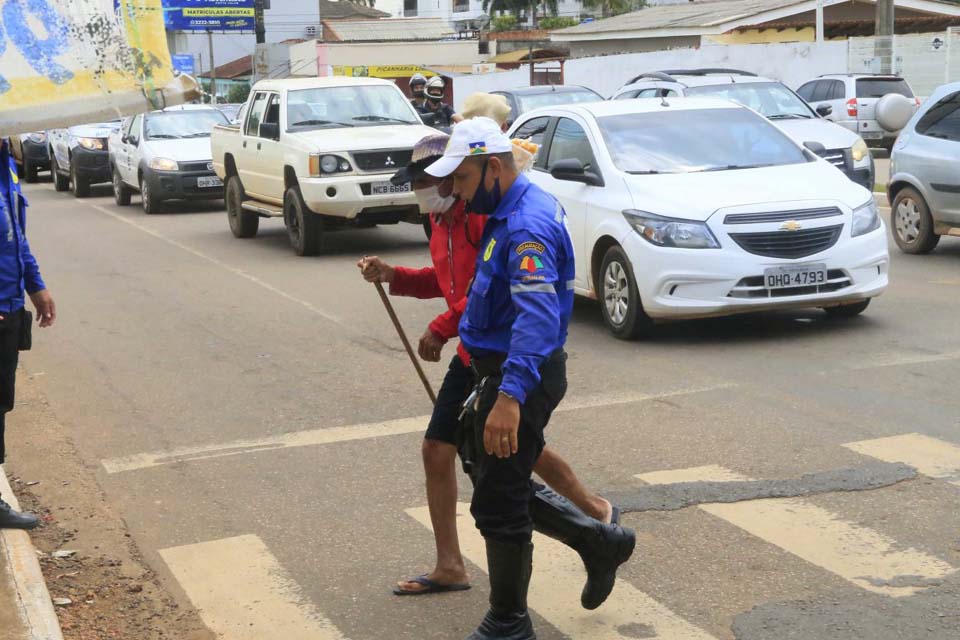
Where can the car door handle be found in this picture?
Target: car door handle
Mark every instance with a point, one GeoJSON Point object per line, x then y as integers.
{"type": "Point", "coordinates": [258, 146]}
{"type": "Point", "coordinates": [244, 144]}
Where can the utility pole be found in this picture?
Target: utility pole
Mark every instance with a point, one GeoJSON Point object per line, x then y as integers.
{"type": "Point", "coordinates": [883, 47]}
{"type": "Point", "coordinates": [260, 27]}
{"type": "Point", "coordinates": [213, 70]}
{"type": "Point", "coordinates": [819, 21]}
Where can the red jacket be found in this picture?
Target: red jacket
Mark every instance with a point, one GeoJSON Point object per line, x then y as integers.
{"type": "Point", "coordinates": [453, 248]}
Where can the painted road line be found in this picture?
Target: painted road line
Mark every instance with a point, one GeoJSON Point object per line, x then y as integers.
{"type": "Point", "coordinates": [558, 577]}
{"type": "Point", "coordinates": [860, 555]}
{"type": "Point", "coordinates": [903, 359]}
{"type": "Point", "coordinates": [330, 435]}
{"type": "Point", "coordinates": [243, 593]}
{"type": "Point", "coordinates": [930, 456]}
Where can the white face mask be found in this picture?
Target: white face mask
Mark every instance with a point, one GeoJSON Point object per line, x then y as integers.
{"type": "Point", "coordinates": [431, 200]}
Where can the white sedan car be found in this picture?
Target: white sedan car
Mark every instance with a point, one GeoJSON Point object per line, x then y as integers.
{"type": "Point", "coordinates": [686, 208]}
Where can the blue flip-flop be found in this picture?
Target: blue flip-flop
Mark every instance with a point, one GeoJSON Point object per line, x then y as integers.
{"type": "Point", "coordinates": [430, 587]}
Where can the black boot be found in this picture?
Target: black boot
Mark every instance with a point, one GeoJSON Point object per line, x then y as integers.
{"type": "Point", "coordinates": [10, 519]}
{"type": "Point", "coordinates": [510, 566]}
{"type": "Point", "coordinates": [602, 547]}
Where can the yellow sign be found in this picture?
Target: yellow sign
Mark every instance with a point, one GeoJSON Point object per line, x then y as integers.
{"type": "Point", "coordinates": [215, 11]}
{"type": "Point", "coordinates": [381, 71]}
{"type": "Point", "coordinates": [489, 252]}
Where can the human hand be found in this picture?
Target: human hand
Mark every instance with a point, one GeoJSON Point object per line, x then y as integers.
{"type": "Point", "coordinates": [45, 306]}
{"type": "Point", "coordinates": [430, 346]}
{"type": "Point", "coordinates": [503, 424]}
{"type": "Point", "coordinates": [374, 269]}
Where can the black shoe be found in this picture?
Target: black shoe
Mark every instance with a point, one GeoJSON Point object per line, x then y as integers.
{"type": "Point", "coordinates": [10, 519]}
{"type": "Point", "coordinates": [510, 566]}
{"type": "Point", "coordinates": [602, 547]}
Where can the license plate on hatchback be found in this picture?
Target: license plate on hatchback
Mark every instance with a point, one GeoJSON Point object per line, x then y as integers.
{"type": "Point", "coordinates": [801, 275]}
{"type": "Point", "coordinates": [387, 188]}
{"type": "Point", "coordinates": [209, 181]}
{"type": "Point", "coordinates": [871, 135]}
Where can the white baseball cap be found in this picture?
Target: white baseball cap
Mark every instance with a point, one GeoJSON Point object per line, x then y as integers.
{"type": "Point", "coordinates": [474, 137]}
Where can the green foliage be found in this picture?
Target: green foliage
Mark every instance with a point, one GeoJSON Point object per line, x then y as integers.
{"type": "Point", "coordinates": [557, 22]}
{"type": "Point", "coordinates": [238, 93]}
{"type": "Point", "coordinates": [609, 8]}
{"type": "Point", "coordinates": [504, 23]}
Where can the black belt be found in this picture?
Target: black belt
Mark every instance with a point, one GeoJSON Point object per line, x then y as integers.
{"type": "Point", "coordinates": [492, 364]}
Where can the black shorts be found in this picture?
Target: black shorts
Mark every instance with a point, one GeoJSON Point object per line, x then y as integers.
{"type": "Point", "coordinates": [453, 393]}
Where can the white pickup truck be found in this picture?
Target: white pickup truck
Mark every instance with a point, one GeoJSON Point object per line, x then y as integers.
{"type": "Point", "coordinates": [318, 152]}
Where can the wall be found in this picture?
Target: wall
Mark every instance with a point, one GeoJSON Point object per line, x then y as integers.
{"type": "Point", "coordinates": [585, 48]}
{"type": "Point", "coordinates": [388, 53]}
{"type": "Point", "coordinates": [792, 64]}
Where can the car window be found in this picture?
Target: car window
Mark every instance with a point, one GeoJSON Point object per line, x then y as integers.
{"type": "Point", "coordinates": [627, 95]}
{"type": "Point", "coordinates": [806, 91]}
{"type": "Point", "coordinates": [553, 98]}
{"type": "Point", "coordinates": [691, 140]}
{"type": "Point", "coordinates": [942, 120]}
{"type": "Point", "coordinates": [171, 125]}
{"type": "Point", "coordinates": [256, 114]}
{"type": "Point", "coordinates": [822, 91]}
{"type": "Point", "coordinates": [772, 99]}
{"type": "Point", "coordinates": [272, 113]}
{"type": "Point", "coordinates": [570, 141]}
{"type": "Point", "coordinates": [879, 87]}
{"type": "Point", "coordinates": [839, 91]}
{"type": "Point", "coordinates": [134, 136]}
{"type": "Point", "coordinates": [533, 130]}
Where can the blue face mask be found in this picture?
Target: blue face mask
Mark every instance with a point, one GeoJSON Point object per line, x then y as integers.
{"type": "Point", "coordinates": [485, 202]}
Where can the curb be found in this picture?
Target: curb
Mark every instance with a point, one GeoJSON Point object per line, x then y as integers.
{"type": "Point", "coordinates": [33, 600]}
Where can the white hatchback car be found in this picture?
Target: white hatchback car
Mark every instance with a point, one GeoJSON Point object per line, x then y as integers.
{"type": "Point", "coordinates": [685, 208]}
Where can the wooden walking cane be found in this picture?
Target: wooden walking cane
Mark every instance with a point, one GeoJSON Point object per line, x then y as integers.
{"type": "Point", "coordinates": [406, 343]}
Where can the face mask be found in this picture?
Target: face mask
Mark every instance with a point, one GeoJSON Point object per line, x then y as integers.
{"type": "Point", "coordinates": [431, 200]}
{"type": "Point", "coordinates": [418, 92]}
{"type": "Point", "coordinates": [434, 101]}
{"type": "Point", "coordinates": [485, 202]}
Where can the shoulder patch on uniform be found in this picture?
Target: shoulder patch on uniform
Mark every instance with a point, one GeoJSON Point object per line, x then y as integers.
{"type": "Point", "coordinates": [488, 252]}
{"type": "Point", "coordinates": [531, 246]}
{"type": "Point", "coordinates": [530, 264]}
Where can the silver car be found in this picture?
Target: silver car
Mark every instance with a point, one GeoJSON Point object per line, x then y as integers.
{"type": "Point", "coordinates": [924, 185]}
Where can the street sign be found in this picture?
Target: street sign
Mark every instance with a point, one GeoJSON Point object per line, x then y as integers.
{"type": "Point", "coordinates": [937, 44]}
{"type": "Point", "coordinates": [209, 15]}
{"type": "Point", "coordinates": [183, 62]}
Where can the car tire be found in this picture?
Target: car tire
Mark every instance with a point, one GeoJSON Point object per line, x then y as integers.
{"type": "Point", "coordinates": [243, 224]}
{"type": "Point", "coordinates": [79, 185]}
{"type": "Point", "coordinates": [848, 310]}
{"type": "Point", "coordinates": [150, 203]}
{"type": "Point", "coordinates": [912, 223]}
{"type": "Point", "coordinates": [121, 192]}
{"type": "Point", "coordinates": [304, 227]}
{"type": "Point", "coordinates": [619, 298]}
{"type": "Point", "coordinates": [61, 182]}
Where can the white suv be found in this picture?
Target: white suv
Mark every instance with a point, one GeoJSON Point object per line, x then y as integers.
{"type": "Point", "coordinates": [693, 207]}
{"type": "Point", "coordinates": [841, 148]}
{"type": "Point", "coordinates": [852, 101]}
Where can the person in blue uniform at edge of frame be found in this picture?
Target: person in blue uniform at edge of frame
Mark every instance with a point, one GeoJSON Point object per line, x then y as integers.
{"type": "Point", "coordinates": [19, 274]}
{"type": "Point", "coordinates": [514, 328]}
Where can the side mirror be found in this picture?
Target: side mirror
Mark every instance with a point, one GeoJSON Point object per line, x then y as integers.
{"type": "Point", "coordinates": [270, 130]}
{"type": "Point", "coordinates": [824, 110]}
{"type": "Point", "coordinates": [816, 148]}
{"type": "Point", "coordinates": [429, 119]}
{"type": "Point", "coordinates": [571, 170]}
{"type": "Point", "coordinates": [124, 139]}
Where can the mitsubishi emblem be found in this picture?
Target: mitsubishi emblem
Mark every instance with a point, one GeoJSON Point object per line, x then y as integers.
{"type": "Point", "coordinates": [791, 225]}
{"type": "Point", "coordinates": [389, 162]}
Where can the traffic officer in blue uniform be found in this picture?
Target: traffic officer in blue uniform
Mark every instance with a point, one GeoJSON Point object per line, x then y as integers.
{"type": "Point", "coordinates": [19, 273]}
{"type": "Point", "coordinates": [515, 328]}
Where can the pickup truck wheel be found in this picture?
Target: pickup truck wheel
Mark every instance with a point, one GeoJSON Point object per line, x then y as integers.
{"type": "Point", "coordinates": [149, 201]}
{"type": "Point", "coordinates": [619, 298]}
{"type": "Point", "coordinates": [79, 184]}
{"type": "Point", "coordinates": [121, 192]}
{"type": "Point", "coordinates": [243, 224]}
{"type": "Point", "coordinates": [60, 182]}
{"type": "Point", "coordinates": [304, 227]}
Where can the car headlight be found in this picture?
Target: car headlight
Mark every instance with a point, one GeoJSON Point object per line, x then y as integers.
{"type": "Point", "coordinates": [37, 136]}
{"type": "Point", "coordinates": [866, 218]}
{"type": "Point", "coordinates": [671, 232]}
{"type": "Point", "coordinates": [327, 163]}
{"type": "Point", "coordinates": [164, 164]}
{"type": "Point", "coordinates": [93, 144]}
{"type": "Point", "coordinates": [860, 150]}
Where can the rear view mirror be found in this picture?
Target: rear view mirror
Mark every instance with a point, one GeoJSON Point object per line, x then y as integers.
{"type": "Point", "coordinates": [270, 130]}
{"type": "Point", "coordinates": [824, 110]}
{"type": "Point", "coordinates": [571, 170]}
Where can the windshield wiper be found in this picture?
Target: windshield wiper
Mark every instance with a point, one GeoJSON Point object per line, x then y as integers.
{"type": "Point", "coordinates": [162, 136]}
{"type": "Point", "coordinates": [202, 134]}
{"type": "Point", "coordinates": [788, 116]}
{"type": "Point", "coordinates": [320, 122]}
{"type": "Point", "coordinates": [732, 167]}
{"type": "Point", "coordinates": [647, 172]}
{"type": "Point", "coordinates": [382, 119]}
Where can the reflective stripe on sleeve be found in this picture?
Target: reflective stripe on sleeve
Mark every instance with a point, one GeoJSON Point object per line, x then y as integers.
{"type": "Point", "coordinates": [539, 287]}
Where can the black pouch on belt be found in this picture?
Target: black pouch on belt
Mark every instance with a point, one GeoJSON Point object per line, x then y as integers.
{"type": "Point", "coordinates": [25, 341]}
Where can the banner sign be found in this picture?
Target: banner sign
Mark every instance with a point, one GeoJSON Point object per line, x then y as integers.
{"type": "Point", "coordinates": [382, 71]}
{"type": "Point", "coordinates": [184, 63]}
{"type": "Point", "coordinates": [209, 15]}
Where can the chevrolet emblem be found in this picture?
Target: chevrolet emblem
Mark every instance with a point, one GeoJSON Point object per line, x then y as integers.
{"type": "Point", "coordinates": [791, 225]}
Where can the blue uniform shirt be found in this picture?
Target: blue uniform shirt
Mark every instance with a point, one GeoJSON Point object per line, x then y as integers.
{"type": "Point", "coordinates": [522, 294]}
{"type": "Point", "coordinates": [18, 267]}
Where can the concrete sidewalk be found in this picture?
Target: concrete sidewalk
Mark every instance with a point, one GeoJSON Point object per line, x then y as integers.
{"type": "Point", "coordinates": [26, 612]}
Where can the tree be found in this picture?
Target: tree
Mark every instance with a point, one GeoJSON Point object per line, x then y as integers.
{"type": "Point", "coordinates": [614, 7]}
{"type": "Point", "coordinates": [238, 93]}
{"type": "Point", "coordinates": [516, 7]}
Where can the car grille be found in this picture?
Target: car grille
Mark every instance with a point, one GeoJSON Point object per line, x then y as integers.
{"type": "Point", "coordinates": [383, 160]}
{"type": "Point", "coordinates": [781, 216]}
{"type": "Point", "coordinates": [752, 287]}
{"type": "Point", "coordinates": [788, 244]}
{"type": "Point", "coordinates": [200, 167]}
{"type": "Point", "coordinates": [836, 157]}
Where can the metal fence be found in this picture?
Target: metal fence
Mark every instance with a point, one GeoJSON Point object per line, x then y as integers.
{"type": "Point", "coordinates": [926, 60]}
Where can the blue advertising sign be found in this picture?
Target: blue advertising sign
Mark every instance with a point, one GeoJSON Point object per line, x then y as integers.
{"type": "Point", "coordinates": [209, 15]}
{"type": "Point", "coordinates": [183, 62]}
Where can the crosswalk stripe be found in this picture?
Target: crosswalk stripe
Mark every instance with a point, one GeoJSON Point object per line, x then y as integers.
{"type": "Point", "coordinates": [862, 556]}
{"type": "Point", "coordinates": [243, 593]}
{"type": "Point", "coordinates": [558, 577]}
{"type": "Point", "coordinates": [930, 456]}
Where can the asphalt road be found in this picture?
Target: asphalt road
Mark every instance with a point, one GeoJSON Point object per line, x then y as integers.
{"type": "Point", "coordinates": [253, 417]}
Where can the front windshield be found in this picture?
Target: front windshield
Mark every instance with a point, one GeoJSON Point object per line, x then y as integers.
{"type": "Point", "coordinates": [688, 141]}
{"type": "Point", "coordinates": [369, 105]}
{"type": "Point", "coordinates": [772, 99]}
{"type": "Point", "coordinates": [170, 125]}
{"type": "Point", "coordinates": [554, 98]}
